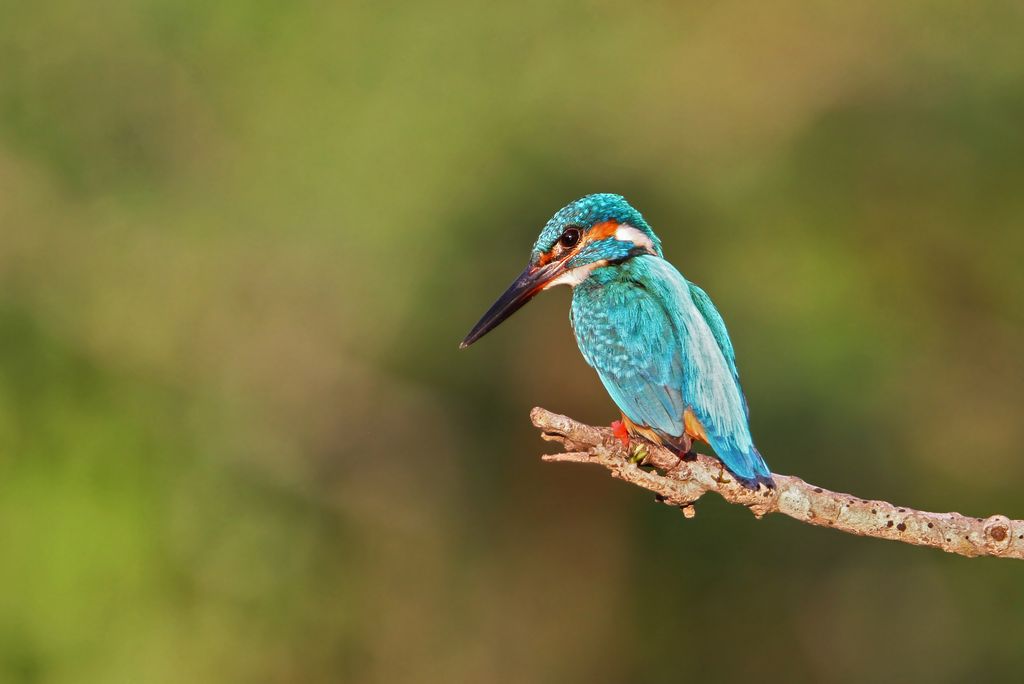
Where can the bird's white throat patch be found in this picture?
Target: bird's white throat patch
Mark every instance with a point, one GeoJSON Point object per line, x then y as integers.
{"type": "Point", "coordinates": [575, 276]}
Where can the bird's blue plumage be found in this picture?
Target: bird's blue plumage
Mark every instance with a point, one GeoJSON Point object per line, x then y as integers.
{"type": "Point", "coordinates": [656, 340]}
{"type": "Point", "coordinates": [660, 347]}
{"type": "Point", "coordinates": [714, 320]}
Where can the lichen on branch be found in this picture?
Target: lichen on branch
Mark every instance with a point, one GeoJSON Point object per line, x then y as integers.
{"type": "Point", "coordinates": [681, 483]}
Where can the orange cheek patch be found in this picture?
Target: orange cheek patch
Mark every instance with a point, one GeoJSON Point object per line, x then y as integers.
{"type": "Point", "coordinates": [600, 231]}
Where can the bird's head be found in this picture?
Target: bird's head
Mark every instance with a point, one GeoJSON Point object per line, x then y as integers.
{"type": "Point", "coordinates": [592, 232]}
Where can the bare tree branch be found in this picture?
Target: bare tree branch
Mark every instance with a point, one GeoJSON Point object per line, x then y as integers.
{"type": "Point", "coordinates": [681, 483]}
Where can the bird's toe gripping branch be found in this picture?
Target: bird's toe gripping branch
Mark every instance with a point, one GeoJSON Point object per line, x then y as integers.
{"type": "Point", "coordinates": [621, 432]}
{"type": "Point", "coordinates": [680, 483]}
{"type": "Point", "coordinates": [676, 482]}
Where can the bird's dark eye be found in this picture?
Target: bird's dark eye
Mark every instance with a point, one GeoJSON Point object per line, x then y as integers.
{"type": "Point", "coordinates": [569, 238]}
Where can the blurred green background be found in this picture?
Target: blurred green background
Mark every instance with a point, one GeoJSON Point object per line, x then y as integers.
{"type": "Point", "coordinates": [239, 243]}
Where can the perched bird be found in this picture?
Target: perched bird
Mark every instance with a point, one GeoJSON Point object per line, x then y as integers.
{"type": "Point", "coordinates": [656, 341]}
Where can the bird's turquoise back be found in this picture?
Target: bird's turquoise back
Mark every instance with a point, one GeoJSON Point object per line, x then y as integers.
{"type": "Point", "coordinates": [660, 347]}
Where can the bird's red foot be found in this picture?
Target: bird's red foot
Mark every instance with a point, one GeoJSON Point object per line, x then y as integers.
{"type": "Point", "coordinates": [621, 433]}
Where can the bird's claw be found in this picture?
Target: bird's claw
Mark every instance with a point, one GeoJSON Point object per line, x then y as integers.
{"type": "Point", "coordinates": [637, 452]}
{"type": "Point", "coordinates": [621, 433]}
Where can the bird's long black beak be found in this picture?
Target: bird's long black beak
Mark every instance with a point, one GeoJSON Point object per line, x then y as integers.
{"type": "Point", "coordinates": [531, 281]}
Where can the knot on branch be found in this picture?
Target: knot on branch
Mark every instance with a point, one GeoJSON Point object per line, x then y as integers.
{"type": "Point", "coordinates": [998, 534]}
{"type": "Point", "coordinates": [680, 484]}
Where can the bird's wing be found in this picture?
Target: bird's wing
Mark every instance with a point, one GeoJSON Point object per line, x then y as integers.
{"type": "Point", "coordinates": [714, 320]}
{"type": "Point", "coordinates": [633, 345]}
{"type": "Point", "coordinates": [660, 358]}
{"type": "Point", "coordinates": [710, 387]}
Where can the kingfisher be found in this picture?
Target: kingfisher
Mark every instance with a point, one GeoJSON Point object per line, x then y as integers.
{"type": "Point", "coordinates": [656, 340]}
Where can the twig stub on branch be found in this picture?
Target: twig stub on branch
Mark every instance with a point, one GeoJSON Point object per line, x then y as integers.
{"type": "Point", "coordinates": [681, 483]}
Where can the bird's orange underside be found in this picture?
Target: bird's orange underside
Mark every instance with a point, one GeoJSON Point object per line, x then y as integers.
{"type": "Point", "coordinates": [691, 425]}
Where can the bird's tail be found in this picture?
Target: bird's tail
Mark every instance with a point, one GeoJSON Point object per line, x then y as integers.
{"type": "Point", "coordinates": [746, 465]}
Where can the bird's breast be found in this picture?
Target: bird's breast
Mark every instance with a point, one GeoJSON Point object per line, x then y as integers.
{"type": "Point", "coordinates": [619, 326]}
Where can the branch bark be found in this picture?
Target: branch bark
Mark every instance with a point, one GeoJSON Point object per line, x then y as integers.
{"type": "Point", "coordinates": [682, 483]}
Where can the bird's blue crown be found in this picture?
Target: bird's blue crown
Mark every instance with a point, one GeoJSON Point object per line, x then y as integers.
{"type": "Point", "coordinates": [590, 211]}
